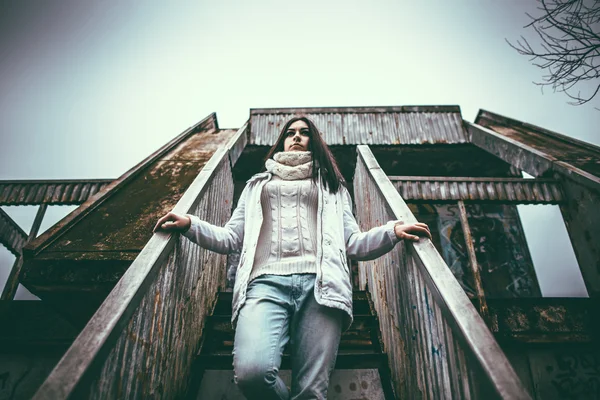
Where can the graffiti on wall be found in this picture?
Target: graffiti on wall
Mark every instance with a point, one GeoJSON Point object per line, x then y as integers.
{"type": "Point", "coordinates": [500, 247]}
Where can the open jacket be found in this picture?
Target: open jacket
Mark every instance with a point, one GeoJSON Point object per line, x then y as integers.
{"type": "Point", "coordinates": [338, 236]}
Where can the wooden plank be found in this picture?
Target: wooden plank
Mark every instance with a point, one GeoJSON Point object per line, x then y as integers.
{"type": "Point", "coordinates": [521, 156]}
{"type": "Point", "coordinates": [464, 320]}
{"type": "Point", "coordinates": [90, 204]}
{"type": "Point", "coordinates": [529, 159]}
{"type": "Point", "coordinates": [11, 235]}
{"type": "Point", "coordinates": [475, 269]}
{"type": "Point", "coordinates": [89, 367]}
{"type": "Point", "coordinates": [12, 283]}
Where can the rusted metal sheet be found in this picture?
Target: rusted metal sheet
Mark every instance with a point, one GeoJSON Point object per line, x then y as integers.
{"type": "Point", "coordinates": [51, 192]}
{"type": "Point", "coordinates": [504, 190]}
{"type": "Point", "coordinates": [365, 125]}
{"type": "Point", "coordinates": [142, 340]}
{"type": "Point", "coordinates": [438, 346]}
{"type": "Point", "coordinates": [543, 320]}
{"type": "Point", "coordinates": [11, 235]}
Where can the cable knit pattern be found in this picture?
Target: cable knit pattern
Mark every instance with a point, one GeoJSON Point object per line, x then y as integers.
{"type": "Point", "coordinates": [287, 240]}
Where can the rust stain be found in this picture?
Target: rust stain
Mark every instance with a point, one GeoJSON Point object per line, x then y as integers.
{"type": "Point", "coordinates": [145, 344]}
{"type": "Point", "coordinates": [553, 315]}
{"type": "Point", "coordinates": [156, 317]}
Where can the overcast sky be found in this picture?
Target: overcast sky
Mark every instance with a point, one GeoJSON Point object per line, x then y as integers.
{"type": "Point", "coordinates": [89, 88]}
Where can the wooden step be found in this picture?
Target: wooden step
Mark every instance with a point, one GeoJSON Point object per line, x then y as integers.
{"type": "Point", "coordinates": [345, 360]}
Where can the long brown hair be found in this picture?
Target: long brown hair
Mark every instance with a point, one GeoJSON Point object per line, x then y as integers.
{"type": "Point", "coordinates": [322, 158]}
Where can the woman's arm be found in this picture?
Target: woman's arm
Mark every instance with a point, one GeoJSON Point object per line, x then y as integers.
{"type": "Point", "coordinates": [377, 241]}
{"type": "Point", "coordinates": [223, 240]}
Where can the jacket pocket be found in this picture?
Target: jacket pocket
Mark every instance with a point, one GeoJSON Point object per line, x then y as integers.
{"type": "Point", "coordinates": [344, 262]}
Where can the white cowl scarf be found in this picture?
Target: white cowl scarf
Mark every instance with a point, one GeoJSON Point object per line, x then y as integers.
{"type": "Point", "coordinates": [291, 165]}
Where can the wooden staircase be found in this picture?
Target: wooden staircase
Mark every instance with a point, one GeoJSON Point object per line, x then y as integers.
{"type": "Point", "coordinates": [360, 347]}
{"type": "Point", "coordinates": [167, 319]}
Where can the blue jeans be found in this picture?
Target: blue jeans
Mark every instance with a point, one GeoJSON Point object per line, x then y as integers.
{"type": "Point", "coordinates": [279, 309]}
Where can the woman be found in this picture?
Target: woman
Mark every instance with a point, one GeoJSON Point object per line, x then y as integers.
{"type": "Point", "coordinates": [295, 228]}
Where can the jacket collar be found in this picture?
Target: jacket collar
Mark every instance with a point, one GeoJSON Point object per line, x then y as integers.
{"type": "Point", "coordinates": [258, 176]}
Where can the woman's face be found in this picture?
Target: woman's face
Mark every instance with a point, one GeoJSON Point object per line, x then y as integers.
{"type": "Point", "coordinates": [297, 137]}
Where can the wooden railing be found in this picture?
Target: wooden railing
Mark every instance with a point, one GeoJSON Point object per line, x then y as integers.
{"type": "Point", "coordinates": [143, 338]}
{"type": "Point", "coordinates": [437, 344]}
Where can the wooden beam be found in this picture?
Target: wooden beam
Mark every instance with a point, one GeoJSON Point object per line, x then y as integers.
{"type": "Point", "coordinates": [580, 211]}
{"type": "Point", "coordinates": [11, 235]}
{"type": "Point", "coordinates": [475, 269]}
{"type": "Point", "coordinates": [12, 283]}
{"type": "Point", "coordinates": [524, 157]}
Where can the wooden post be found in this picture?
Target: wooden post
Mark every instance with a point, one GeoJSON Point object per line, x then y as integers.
{"type": "Point", "coordinates": [483, 308]}
{"type": "Point", "coordinates": [10, 289]}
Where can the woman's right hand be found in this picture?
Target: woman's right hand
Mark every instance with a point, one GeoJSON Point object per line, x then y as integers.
{"type": "Point", "coordinates": [173, 223]}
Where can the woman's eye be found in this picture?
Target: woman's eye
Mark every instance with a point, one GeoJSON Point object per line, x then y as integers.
{"type": "Point", "coordinates": [305, 133]}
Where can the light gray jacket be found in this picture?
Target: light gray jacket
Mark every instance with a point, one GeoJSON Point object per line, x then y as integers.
{"type": "Point", "coordinates": [338, 236]}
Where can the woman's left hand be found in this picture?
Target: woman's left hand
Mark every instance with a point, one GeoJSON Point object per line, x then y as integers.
{"type": "Point", "coordinates": [411, 231]}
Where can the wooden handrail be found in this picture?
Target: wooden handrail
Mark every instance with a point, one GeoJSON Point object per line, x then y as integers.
{"type": "Point", "coordinates": [437, 343]}
{"type": "Point", "coordinates": [141, 341]}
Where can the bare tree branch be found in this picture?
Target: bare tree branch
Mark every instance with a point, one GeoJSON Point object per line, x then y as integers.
{"type": "Point", "coordinates": [569, 47]}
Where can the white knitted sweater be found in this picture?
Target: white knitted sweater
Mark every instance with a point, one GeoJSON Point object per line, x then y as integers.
{"type": "Point", "coordinates": [287, 240]}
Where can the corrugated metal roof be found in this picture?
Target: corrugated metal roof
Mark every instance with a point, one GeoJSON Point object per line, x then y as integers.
{"type": "Point", "coordinates": [505, 190]}
{"type": "Point", "coordinates": [366, 125]}
{"type": "Point", "coordinates": [11, 235]}
{"type": "Point", "coordinates": [53, 192]}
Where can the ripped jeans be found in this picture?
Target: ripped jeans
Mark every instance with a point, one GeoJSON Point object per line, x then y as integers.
{"type": "Point", "coordinates": [279, 309]}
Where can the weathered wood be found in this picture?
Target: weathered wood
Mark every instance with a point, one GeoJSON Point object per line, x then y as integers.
{"type": "Point", "coordinates": [90, 204]}
{"type": "Point", "coordinates": [544, 320]}
{"type": "Point", "coordinates": [530, 151]}
{"type": "Point", "coordinates": [572, 152]}
{"type": "Point", "coordinates": [12, 283]}
{"type": "Point", "coordinates": [11, 235]}
{"type": "Point", "coordinates": [581, 213]}
{"type": "Point", "coordinates": [239, 145]}
{"type": "Point", "coordinates": [422, 308]}
{"type": "Point", "coordinates": [143, 338]}
{"type": "Point", "coordinates": [526, 158]}
{"type": "Point", "coordinates": [475, 269]}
